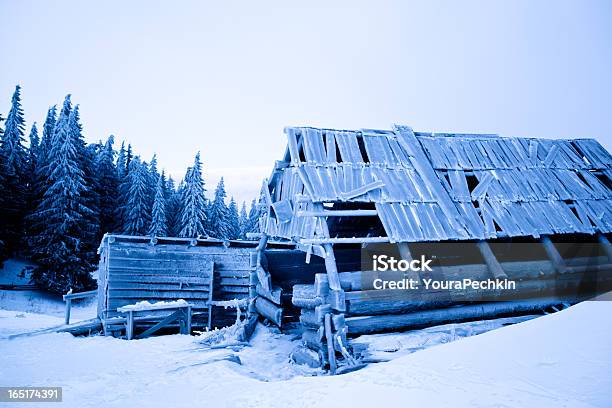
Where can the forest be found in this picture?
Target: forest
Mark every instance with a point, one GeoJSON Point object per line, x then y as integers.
{"type": "Point", "coordinates": [59, 195]}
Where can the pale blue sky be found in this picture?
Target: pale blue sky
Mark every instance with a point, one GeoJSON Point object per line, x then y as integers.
{"type": "Point", "coordinates": [225, 77]}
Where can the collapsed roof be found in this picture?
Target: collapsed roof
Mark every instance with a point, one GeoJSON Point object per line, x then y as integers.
{"type": "Point", "coordinates": [435, 187]}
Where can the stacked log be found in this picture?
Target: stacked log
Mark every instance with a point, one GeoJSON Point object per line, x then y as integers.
{"type": "Point", "coordinates": [540, 285]}
{"type": "Point", "coordinates": [267, 297]}
{"type": "Point", "coordinates": [324, 327]}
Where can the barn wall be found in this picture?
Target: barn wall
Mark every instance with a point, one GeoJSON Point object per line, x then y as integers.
{"type": "Point", "coordinates": [131, 272]}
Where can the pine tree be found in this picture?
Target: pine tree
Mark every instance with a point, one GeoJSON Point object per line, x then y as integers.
{"type": "Point", "coordinates": [218, 215]}
{"type": "Point", "coordinates": [87, 156]}
{"type": "Point", "coordinates": [128, 156]}
{"type": "Point", "coordinates": [254, 215]}
{"type": "Point", "coordinates": [152, 180]}
{"type": "Point", "coordinates": [47, 136]}
{"type": "Point", "coordinates": [173, 208]}
{"type": "Point", "coordinates": [60, 247]}
{"type": "Point", "coordinates": [244, 221]}
{"type": "Point", "coordinates": [159, 225]}
{"type": "Point", "coordinates": [31, 174]}
{"type": "Point", "coordinates": [14, 169]}
{"type": "Point", "coordinates": [233, 221]}
{"type": "Point", "coordinates": [108, 187]}
{"type": "Point", "coordinates": [193, 215]}
{"type": "Point", "coordinates": [123, 172]}
{"type": "Point", "coordinates": [41, 171]}
{"type": "Point", "coordinates": [34, 151]}
{"type": "Point", "coordinates": [3, 249]}
{"type": "Point", "coordinates": [137, 213]}
{"type": "Point", "coordinates": [121, 163]}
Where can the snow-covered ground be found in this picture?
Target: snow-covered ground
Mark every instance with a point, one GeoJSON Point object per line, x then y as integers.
{"type": "Point", "coordinates": [559, 360]}
{"type": "Point", "coordinates": [17, 272]}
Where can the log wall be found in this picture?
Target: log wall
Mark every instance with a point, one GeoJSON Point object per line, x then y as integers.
{"type": "Point", "coordinates": [539, 285]}
{"type": "Point", "coordinates": [133, 270]}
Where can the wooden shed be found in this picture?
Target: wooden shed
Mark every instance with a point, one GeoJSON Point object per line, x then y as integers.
{"type": "Point", "coordinates": [154, 269]}
{"type": "Point", "coordinates": [338, 192]}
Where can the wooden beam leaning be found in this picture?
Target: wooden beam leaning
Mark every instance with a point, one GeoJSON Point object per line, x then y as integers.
{"type": "Point", "coordinates": [262, 274]}
{"type": "Point", "coordinates": [554, 255]}
{"type": "Point", "coordinates": [492, 263]}
{"type": "Point", "coordinates": [330, 259]}
{"type": "Point", "coordinates": [606, 245]}
{"type": "Point", "coordinates": [331, 267]}
{"type": "Point", "coordinates": [362, 190]}
{"type": "Point", "coordinates": [422, 165]}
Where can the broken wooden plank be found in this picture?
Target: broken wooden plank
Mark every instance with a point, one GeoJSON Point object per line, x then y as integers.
{"type": "Point", "coordinates": [409, 142]}
{"type": "Point", "coordinates": [359, 191]}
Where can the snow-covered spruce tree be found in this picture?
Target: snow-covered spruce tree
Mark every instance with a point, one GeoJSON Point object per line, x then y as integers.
{"type": "Point", "coordinates": [41, 181]}
{"type": "Point", "coordinates": [59, 247]}
{"type": "Point", "coordinates": [193, 211]}
{"type": "Point", "coordinates": [128, 156]}
{"type": "Point", "coordinates": [14, 170]}
{"type": "Point", "coordinates": [173, 208]}
{"type": "Point", "coordinates": [137, 213]}
{"type": "Point", "coordinates": [108, 187]}
{"type": "Point", "coordinates": [219, 227]}
{"type": "Point", "coordinates": [33, 152]}
{"type": "Point", "coordinates": [31, 177]}
{"type": "Point", "coordinates": [3, 251]}
{"type": "Point", "coordinates": [46, 140]}
{"type": "Point", "coordinates": [121, 163]}
{"type": "Point", "coordinates": [244, 220]}
{"type": "Point", "coordinates": [233, 221]}
{"type": "Point", "coordinates": [254, 214]}
{"type": "Point", "coordinates": [159, 224]}
{"type": "Point", "coordinates": [87, 162]}
{"type": "Point", "coordinates": [153, 179]}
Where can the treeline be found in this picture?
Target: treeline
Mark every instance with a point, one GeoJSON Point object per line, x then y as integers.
{"type": "Point", "coordinates": [59, 195]}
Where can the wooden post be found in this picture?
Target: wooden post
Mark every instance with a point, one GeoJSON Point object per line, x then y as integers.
{"type": "Point", "coordinates": [129, 325]}
{"type": "Point", "coordinates": [492, 263]}
{"type": "Point", "coordinates": [211, 286]}
{"type": "Point", "coordinates": [330, 259]}
{"type": "Point", "coordinates": [261, 272]}
{"type": "Point", "coordinates": [188, 320]}
{"type": "Point", "coordinates": [67, 315]}
{"type": "Point", "coordinates": [606, 245]}
{"type": "Point", "coordinates": [554, 255]}
{"type": "Point", "coordinates": [331, 352]}
{"type": "Point", "coordinates": [331, 267]}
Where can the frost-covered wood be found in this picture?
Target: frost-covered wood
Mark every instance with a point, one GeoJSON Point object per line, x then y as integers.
{"type": "Point", "coordinates": [132, 270]}
{"type": "Point", "coordinates": [269, 310]}
{"type": "Point", "coordinates": [372, 324]}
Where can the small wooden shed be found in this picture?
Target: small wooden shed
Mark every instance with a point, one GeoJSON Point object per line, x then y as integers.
{"type": "Point", "coordinates": [200, 271]}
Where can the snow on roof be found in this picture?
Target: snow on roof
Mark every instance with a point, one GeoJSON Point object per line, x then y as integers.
{"type": "Point", "coordinates": [432, 187]}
